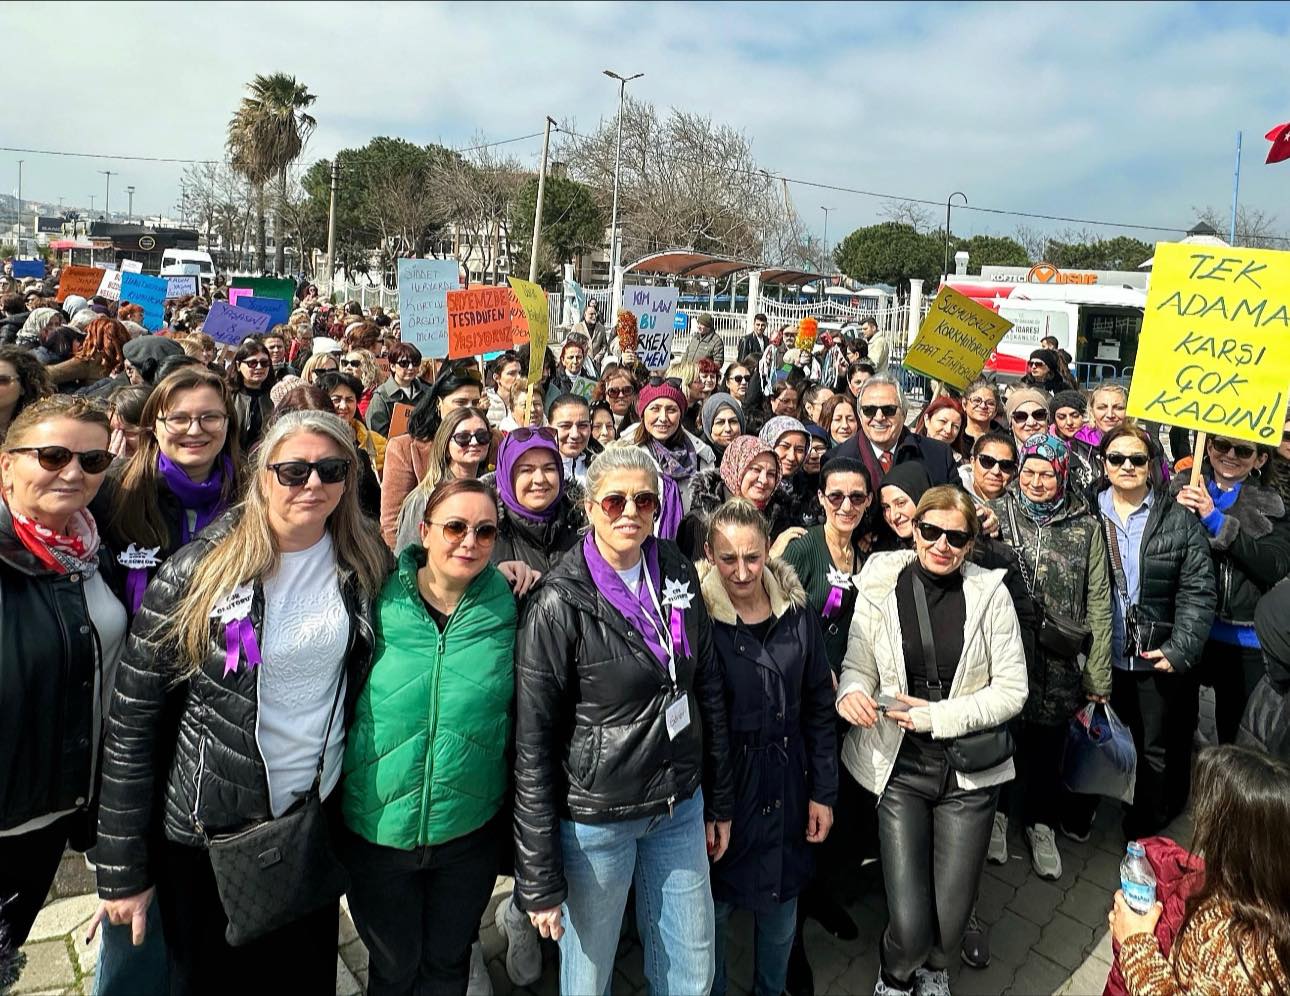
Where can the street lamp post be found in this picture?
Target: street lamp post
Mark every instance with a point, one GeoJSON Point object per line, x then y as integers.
{"type": "Point", "coordinates": [107, 192]}
{"type": "Point", "coordinates": [826, 211]}
{"type": "Point", "coordinates": [129, 212]}
{"type": "Point", "coordinates": [957, 193]}
{"type": "Point", "coordinates": [20, 162]}
{"type": "Point", "coordinates": [614, 247]}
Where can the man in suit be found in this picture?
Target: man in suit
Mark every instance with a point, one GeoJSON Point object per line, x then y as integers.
{"type": "Point", "coordinates": [884, 441]}
{"type": "Point", "coordinates": [756, 341]}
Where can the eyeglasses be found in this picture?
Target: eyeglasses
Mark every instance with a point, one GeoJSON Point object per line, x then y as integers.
{"type": "Point", "coordinates": [456, 530]}
{"type": "Point", "coordinates": [619, 392]}
{"type": "Point", "coordinates": [1137, 459]}
{"type": "Point", "coordinates": [957, 538]}
{"type": "Point", "coordinates": [406, 362]}
{"type": "Point", "coordinates": [1029, 415]}
{"type": "Point", "coordinates": [614, 505]}
{"type": "Point", "coordinates": [981, 402]}
{"type": "Point", "coordinates": [989, 463]}
{"type": "Point", "coordinates": [465, 438]}
{"type": "Point", "coordinates": [258, 364]}
{"type": "Point", "coordinates": [888, 411]}
{"type": "Point", "coordinates": [836, 498]}
{"type": "Point", "coordinates": [7, 379]}
{"type": "Point", "coordinates": [57, 457]}
{"type": "Point", "coordinates": [1243, 451]}
{"type": "Point", "coordinates": [180, 423]}
{"type": "Point", "coordinates": [525, 432]}
{"type": "Point", "coordinates": [296, 473]}
{"type": "Point", "coordinates": [356, 364]}
{"type": "Point", "coordinates": [740, 378]}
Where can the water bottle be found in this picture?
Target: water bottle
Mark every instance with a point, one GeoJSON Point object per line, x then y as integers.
{"type": "Point", "coordinates": [1137, 880]}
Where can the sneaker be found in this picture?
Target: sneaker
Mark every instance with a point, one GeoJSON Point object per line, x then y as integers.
{"type": "Point", "coordinates": [998, 852]}
{"type": "Point", "coordinates": [880, 988]}
{"type": "Point", "coordinates": [523, 950]}
{"type": "Point", "coordinates": [1075, 835]}
{"type": "Point", "coordinates": [931, 983]}
{"type": "Point", "coordinates": [480, 984]}
{"type": "Point", "coordinates": [1044, 856]}
{"type": "Point", "coordinates": [975, 949]}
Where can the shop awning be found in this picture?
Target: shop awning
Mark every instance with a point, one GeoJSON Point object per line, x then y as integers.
{"type": "Point", "coordinates": [689, 264]}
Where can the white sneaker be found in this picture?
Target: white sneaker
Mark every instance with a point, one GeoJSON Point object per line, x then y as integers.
{"type": "Point", "coordinates": [480, 984]}
{"type": "Point", "coordinates": [998, 852]}
{"type": "Point", "coordinates": [523, 951]}
{"type": "Point", "coordinates": [880, 988]}
{"type": "Point", "coordinates": [1044, 856]}
{"type": "Point", "coordinates": [930, 983]}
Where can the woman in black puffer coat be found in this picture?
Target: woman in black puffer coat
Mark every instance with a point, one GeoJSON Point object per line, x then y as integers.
{"type": "Point", "coordinates": [537, 521]}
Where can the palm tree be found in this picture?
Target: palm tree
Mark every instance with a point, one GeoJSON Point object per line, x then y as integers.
{"type": "Point", "coordinates": [267, 133]}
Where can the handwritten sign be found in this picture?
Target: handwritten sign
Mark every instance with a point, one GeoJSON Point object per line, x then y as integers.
{"type": "Point", "coordinates": [231, 325]}
{"type": "Point", "coordinates": [28, 268]}
{"type": "Point", "coordinates": [399, 415]}
{"type": "Point", "coordinates": [131, 266]}
{"type": "Point", "coordinates": [956, 339]}
{"type": "Point", "coordinates": [654, 308]}
{"type": "Point", "coordinates": [281, 288]}
{"type": "Point", "coordinates": [81, 281]}
{"type": "Point", "coordinates": [423, 307]}
{"type": "Point", "coordinates": [583, 387]}
{"type": "Point", "coordinates": [149, 293]}
{"type": "Point", "coordinates": [479, 320]}
{"type": "Point", "coordinates": [182, 286]}
{"type": "Point", "coordinates": [275, 308]}
{"type": "Point", "coordinates": [1214, 352]}
{"type": "Point", "coordinates": [110, 285]}
{"type": "Point", "coordinates": [532, 300]}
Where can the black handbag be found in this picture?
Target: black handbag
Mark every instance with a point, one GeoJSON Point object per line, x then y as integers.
{"type": "Point", "coordinates": [275, 872]}
{"type": "Point", "coordinates": [1059, 635]}
{"type": "Point", "coordinates": [971, 752]}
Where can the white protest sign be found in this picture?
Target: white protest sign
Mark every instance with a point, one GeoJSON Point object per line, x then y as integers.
{"type": "Point", "coordinates": [110, 288]}
{"type": "Point", "coordinates": [131, 266]}
{"type": "Point", "coordinates": [423, 307]}
{"type": "Point", "coordinates": [654, 308]}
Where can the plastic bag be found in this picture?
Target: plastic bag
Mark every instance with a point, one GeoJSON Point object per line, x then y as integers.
{"type": "Point", "coordinates": [1099, 758]}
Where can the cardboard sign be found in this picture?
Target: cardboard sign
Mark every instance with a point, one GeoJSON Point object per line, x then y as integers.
{"type": "Point", "coordinates": [1214, 353]}
{"type": "Point", "coordinates": [149, 293]}
{"type": "Point", "coordinates": [131, 266]}
{"type": "Point", "coordinates": [532, 301]}
{"type": "Point", "coordinates": [110, 285]}
{"type": "Point", "coordinates": [236, 295]}
{"type": "Point", "coordinates": [275, 308]}
{"type": "Point", "coordinates": [423, 308]}
{"type": "Point", "coordinates": [281, 288]}
{"type": "Point", "coordinates": [177, 287]}
{"type": "Point", "coordinates": [81, 281]}
{"type": "Point", "coordinates": [956, 339]}
{"type": "Point", "coordinates": [28, 268]}
{"type": "Point", "coordinates": [399, 415]}
{"type": "Point", "coordinates": [479, 320]}
{"type": "Point", "coordinates": [231, 325]}
{"type": "Point", "coordinates": [583, 387]}
{"type": "Point", "coordinates": [655, 309]}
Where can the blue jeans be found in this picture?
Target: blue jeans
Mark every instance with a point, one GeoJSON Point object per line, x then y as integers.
{"type": "Point", "coordinates": [667, 858]}
{"type": "Point", "coordinates": [773, 934]}
{"type": "Point", "coordinates": [123, 969]}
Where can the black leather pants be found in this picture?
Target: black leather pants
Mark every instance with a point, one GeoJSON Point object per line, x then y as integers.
{"type": "Point", "coordinates": [933, 836]}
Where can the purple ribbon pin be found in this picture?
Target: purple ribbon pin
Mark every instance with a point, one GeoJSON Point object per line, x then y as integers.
{"type": "Point", "coordinates": [679, 636]}
{"type": "Point", "coordinates": [239, 638]}
{"type": "Point", "coordinates": [833, 603]}
{"type": "Point", "coordinates": [136, 583]}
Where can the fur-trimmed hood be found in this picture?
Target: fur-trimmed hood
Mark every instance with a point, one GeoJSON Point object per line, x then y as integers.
{"type": "Point", "coordinates": [782, 586]}
{"type": "Point", "coordinates": [1251, 514]}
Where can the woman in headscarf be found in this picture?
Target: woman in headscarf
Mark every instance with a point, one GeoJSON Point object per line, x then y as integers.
{"type": "Point", "coordinates": [722, 419]}
{"type": "Point", "coordinates": [900, 492]}
{"type": "Point", "coordinates": [680, 455]}
{"type": "Point", "coordinates": [536, 521]}
{"type": "Point", "coordinates": [1047, 371]}
{"type": "Point", "coordinates": [788, 437]}
{"type": "Point", "coordinates": [749, 469]}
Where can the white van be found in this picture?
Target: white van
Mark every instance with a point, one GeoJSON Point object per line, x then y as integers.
{"type": "Point", "coordinates": [187, 262]}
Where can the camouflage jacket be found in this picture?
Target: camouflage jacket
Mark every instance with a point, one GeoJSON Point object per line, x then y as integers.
{"type": "Point", "coordinates": [1064, 564]}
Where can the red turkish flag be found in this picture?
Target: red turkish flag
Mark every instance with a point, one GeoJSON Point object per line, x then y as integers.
{"type": "Point", "coordinates": [1280, 139]}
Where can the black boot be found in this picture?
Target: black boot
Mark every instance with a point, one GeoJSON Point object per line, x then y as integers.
{"type": "Point", "coordinates": [975, 949]}
{"type": "Point", "coordinates": [800, 980]}
{"type": "Point", "coordinates": [828, 913]}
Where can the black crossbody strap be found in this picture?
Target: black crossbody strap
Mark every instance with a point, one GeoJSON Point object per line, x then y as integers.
{"type": "Point", "coordinates": [331, 719]}
{"type": "Point", "coordinates": [1117, 565]}
{"type": "Point", "coordinates": [934, 685]}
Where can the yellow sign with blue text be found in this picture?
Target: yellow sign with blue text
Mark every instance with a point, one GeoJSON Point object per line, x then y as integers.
{"type": "Point", "coordinates": [956, 339]}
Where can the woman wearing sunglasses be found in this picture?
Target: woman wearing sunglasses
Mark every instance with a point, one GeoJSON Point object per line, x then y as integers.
{"type": "Point", "coordinates": [1162, 610]}
{"type": "Point", "coordinates": [617, 387]}
{"type": "Point", "coordinates": [1062, 548]}
{"type": "Point", "coordinates": [252, 645]}
{"type": "Point", "coordinates": [361, 364]}
{"type": "Point", "coordinates": [935, 655]}
{"type": "Point", "coordinates": [250, 378]}
{"type": "Point", "coordinates": [622, 762]}
{"type": "Point", "coordinates": [1249, 539]}
{"type": "Point", "coordinates": [779, 694]}
{"type": "Point", "coordinates": [426, 759]}
{"type": "Point", "coordinates": [61, 634]}
{"type": "Point", "coordinates": [737, 380]}
{"type": "Point", "coordinates": [1027, 413]}
{"type": "Point", "coordinates": [344, 391]}
{"type": "Point", "coordinates": [680, 455]}
{"type": "Point", "coordinates": [403, 387]}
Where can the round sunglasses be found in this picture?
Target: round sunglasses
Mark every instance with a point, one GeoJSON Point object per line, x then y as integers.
{"type": "Point", "coordinates": [614, 505]}
{"type": "Point", "coordinates": [55, 458]}
{"type": "Point", "coordinates": [456, 530]}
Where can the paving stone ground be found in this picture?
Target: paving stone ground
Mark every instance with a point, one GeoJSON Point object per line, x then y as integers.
{"type": "Point", "coordinates": [1047, 938]}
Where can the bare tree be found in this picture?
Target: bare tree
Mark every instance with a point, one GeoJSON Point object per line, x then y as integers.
{"type": "Point", "coordinates": [1032, 240]}
{"type": "Point", "coordinates": [917, 216]}
{"type": "Point", "coordinates": [223, 206]}
{"type": "Point", "coordinates": [1255, 228]}
{"type": "Point", "coordinates": [475, 191]}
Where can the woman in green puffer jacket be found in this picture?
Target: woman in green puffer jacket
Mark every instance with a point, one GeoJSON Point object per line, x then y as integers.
{"type": "Point", "coordinates": [426, 767]}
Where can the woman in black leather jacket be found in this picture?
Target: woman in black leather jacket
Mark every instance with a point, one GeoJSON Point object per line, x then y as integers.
{"type": "Point", "coordinates": [230, 691]}
{"type": "Point", "coordinates": [250, 377]}
{"type": "Point", "coordinates": [621, 743]}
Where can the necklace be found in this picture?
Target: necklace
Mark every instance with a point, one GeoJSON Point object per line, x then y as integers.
{"type": "Point", "coordinates": [844, 559]}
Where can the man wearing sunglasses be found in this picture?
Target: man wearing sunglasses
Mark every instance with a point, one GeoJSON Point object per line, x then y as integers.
{"type": "Point", "coordinates": [884, 441]}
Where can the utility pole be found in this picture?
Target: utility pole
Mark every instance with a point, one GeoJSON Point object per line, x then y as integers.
{"type": "Point", "coordinates": [537, 216]}
{"type": "Point", "coordinates": [331, 228]}
{"type": "Point", "coordinates": [129, 213]}
{"type": "Point", "coordinates": [107, 192]}
{"type": "Point", "coordinates": [826, 211]}
{"type": "Point", "coordinates": [614, 247]}
{"type": "Point", "coordinates": [91, 206]}
{"type": "Point", "coordinates": [20, 162]}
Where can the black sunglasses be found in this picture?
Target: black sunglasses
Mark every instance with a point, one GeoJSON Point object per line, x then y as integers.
{"type": "Point", "coordinates": [351, 363]}
{"type": "Point", "coordinates": [957, 538]}
{"type": "Point", "coordinates": [888, 411]}
{"type": "Point", "coordinates": [1029, 415]}
{"type": "Point", "coordinates": [525, 432]}
{"type": "Point", "coordinates": [407, 362]}
{"type": "Point", "coordinates": [58, 457]}
{"type": "Point", "coordinates": [456, 530]}
{"type": "Point", "coordinates": [258, 364]}
{"type": "Point", "coordinates": [295, 473]}
{"type": "Point", "coordinates": [1243, 451]}
{"type": "Point", "coordinates": [465, 438]}
{"type": "Point", "coordinates": [989, 463]}
{"type": "Point", "coordinates": [615, 505]}
{"type": "Point", "coordinates": [1137, 459]}
{"type": "Point", "coordinates": [835, 498]}
{"type": "Point", "coordinates": [740, 378]}
{"type": "Point", "coordinates": [619, 392]}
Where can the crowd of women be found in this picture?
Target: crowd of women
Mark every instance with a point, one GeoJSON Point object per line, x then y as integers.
{"type": "Point", "coordinates": [316, 615]}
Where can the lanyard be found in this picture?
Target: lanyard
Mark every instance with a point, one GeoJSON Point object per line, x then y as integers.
{"type": "Point", "coordinates": [656, 620]}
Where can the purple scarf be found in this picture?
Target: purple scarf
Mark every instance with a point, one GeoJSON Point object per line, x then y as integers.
{"type": "Point", "coordinates": [671, 509]}
{"type": "Point", "coordinates": [637, 610]}
{"type": "Point", "coordinates": [508, 454]}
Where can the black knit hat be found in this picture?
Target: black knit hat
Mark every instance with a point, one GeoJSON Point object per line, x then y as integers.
{"type": "Point", "coordinates": [1066, 399]}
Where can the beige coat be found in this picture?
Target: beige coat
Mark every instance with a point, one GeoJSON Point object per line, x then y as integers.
{"type": "Point", "coordinates": [989, 686]}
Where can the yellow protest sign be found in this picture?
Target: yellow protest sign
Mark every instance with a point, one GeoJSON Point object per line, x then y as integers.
{"type": "Point", "coordinates": [1214, 353]}
{"type": "Point", "coordinates": [956, 339]}
{"type": "Point", "coordinates": [532, 300]}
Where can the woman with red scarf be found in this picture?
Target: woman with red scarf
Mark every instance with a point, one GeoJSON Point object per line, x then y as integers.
{"type": "Point", "coordinates": [61, 633]}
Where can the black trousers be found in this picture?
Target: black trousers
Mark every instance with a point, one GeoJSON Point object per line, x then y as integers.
{"type": "Point", "coordinates": [299, 958]}
{"type": "Point", "coordinates": [418, 911]}
{"type": "Point", "coordinates": [1232, 672]}
{"type": "Point", "coordinates": [28, 864]}
{"type": "Point", "coordinates": [1044, 799]}
{"type": "Point", "coordinates": [934, 837]}
{"type": "Point", "coordinates": [1157, 707]}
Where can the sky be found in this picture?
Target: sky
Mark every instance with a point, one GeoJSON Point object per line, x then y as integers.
{"type": "Point", "coordinates": [1119, 112]}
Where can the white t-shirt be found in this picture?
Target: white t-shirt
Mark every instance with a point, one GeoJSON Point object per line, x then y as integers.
{"type": "Point", "coordinates": [306, 631]}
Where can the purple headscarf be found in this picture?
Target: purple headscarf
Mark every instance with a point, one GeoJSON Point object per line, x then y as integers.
{"type": "Point", "coordinates": [508, 455]}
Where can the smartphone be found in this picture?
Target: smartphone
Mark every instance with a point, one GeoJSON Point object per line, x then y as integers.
{"type": "Point", "coordinates": [886, 703]}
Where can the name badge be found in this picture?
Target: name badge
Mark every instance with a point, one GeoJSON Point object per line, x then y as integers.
{"type": "Point", "coordinates": [235, 605]}
{"type": "Point", "coordinates": [678, 715]}
{"type": "Point", "coordinates": [138, 557]}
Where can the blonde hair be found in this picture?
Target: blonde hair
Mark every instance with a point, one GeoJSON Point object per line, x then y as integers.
{"type": "Point", "coordinates": [947, 498]}
{"type": "Point", "coordinates": [250, 551]}
{"type": "Point", "coordinates": [369, 373]}
{"type": "Point", "coordinates": [310, 369]}
{"type": "Point", "coordinates": [621, 454]}
{"type": "Point", "coordinates": [738, 512]}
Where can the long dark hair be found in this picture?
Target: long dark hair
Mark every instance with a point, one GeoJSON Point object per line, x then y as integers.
{"type": "Point", "coordinates": [424, 421]}
{"type": "Point", "coordinates": [1242, 811]}
{"type": "Point", "coordinates": [251, 346]}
